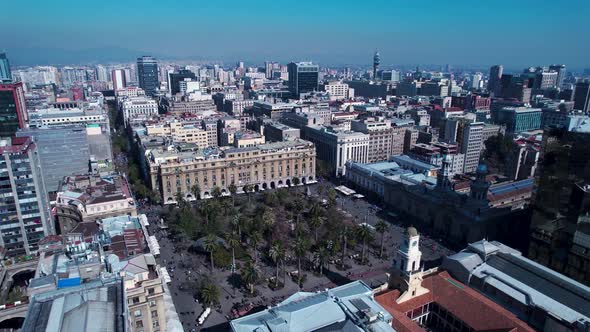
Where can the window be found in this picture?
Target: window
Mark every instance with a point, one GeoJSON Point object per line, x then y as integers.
{"type": "Point", "coordinates": [154, 314]}
{"type": "Point", "coordinates": [152, 303]}
{"type": "Point", "coordinates": [139, 324]}
{"type": "Point", "coordinates": [137, 313]}
{"type": "Point", "coordinates": [151, 291]}
{"type": "Point", "coordinates": [136, 300]}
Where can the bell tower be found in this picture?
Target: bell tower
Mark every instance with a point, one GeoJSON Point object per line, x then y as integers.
{"type": "Point", "coordinates": [408, 272]}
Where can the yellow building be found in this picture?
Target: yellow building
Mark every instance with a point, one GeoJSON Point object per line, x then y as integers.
{"type": "Point", "coordinates": [271, 165]}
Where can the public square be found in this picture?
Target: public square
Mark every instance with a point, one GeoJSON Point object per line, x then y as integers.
{"type": "Point", "coordinates": [187, 267]}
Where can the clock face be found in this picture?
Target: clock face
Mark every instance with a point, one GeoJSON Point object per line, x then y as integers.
{"type": "Point", "coordinates": [414, 244]}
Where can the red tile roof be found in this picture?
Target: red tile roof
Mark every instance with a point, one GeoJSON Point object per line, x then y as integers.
{"type": "Point", "coordinates": [466, 304]}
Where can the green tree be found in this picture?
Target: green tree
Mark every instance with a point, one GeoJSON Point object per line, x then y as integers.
{"type": "Point", "coordinates": [233, 190]}
{"type": "Point", "coordinates": [209, 293]}
{"type": "Point", "coordinates": [179, 199]}
{"type": "Point", "coordinates": [236, 223]}
{"type": "Point", "coordinates": [321, 257]}
{"type": "Point", "coordinates": [255, 239]}
{"type": "Point", "coordinates": [296, 181]}
{"type": "Point", "coordinates": [196, 191]}
{"type": "Point", "coordinates": [277, 254]}
{"type": "Point", "coordinates": [344, 234]}
{"type": "Point", "coordinates": [364, 234]}
{"type": "Point", "coordinates": [250, 275]}
{"type": "Point", "coordinates": [298, 207]}
{"type": "Point", "coordinates": [233, 242]}
{"type": "Point", "coordinates": [381, 228]}
{"type": "Point", "coordinates": [210, 244]}
{"type": "Point", "coordinates": [300, 248]}
{"type": "Point", "coordinates": [332, 197]}
{"type": "Point", "coordinates": [216, 192]}
{"type": "Point", "coordinates": [268, 218]}
{"type": "Point", "coordinates": [270, 198]}
{"type": "Point", "coordinates": [248, 189]}
{"type": "Point", "coordinates": [315, 222]}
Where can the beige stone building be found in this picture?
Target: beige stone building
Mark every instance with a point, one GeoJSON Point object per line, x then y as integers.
{"type": "Point", "coordinates": [145, 294]}
{"type": "Point", "coordinates": [271, 165]}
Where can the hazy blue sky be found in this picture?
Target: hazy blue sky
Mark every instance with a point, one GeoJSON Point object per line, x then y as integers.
{"type": "Point", "coordinates": [511, 32]}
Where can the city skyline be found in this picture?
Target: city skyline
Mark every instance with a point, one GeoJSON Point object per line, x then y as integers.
{"type": "Point", "coordinates": [331, 34]}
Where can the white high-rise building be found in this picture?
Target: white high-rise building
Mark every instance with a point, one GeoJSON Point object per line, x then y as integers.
{"type": "Point", "coordinates": [102, 74]}
{"type": "Point", "coordinates": [476, 81]}
{"type": "Point", "coordinates": [119, 79]}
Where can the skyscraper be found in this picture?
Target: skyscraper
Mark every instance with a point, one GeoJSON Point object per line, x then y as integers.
{"type": "Point", "coordinates": [176, 78]}
{"type": "Point", "coordinates": [376, 62]}
{"type": "Point", "coordinates": [495, 81]}
{"type": "Point", "coordinates": [303, 77]}
{"type": "Point", "coordinates": [119, 79]}
{"type": "Point", "coordinates": [5, 75]}
{"type": "Point", "coordinates": [582, 96]}
{"type": "Point", "coordinates": [23, 198]}
{"type": "Point", "coordinates": [147, 74]}
{"type": "Point", "coordinates": [102, 74]}
{"type": "Point", "coordinates": [560, 69]}
{"type": "Point", "coordinates": [13, 110]}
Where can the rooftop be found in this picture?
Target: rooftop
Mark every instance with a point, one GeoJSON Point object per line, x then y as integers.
{"type": "Point", "coordinates": [97, 306]}
{"type": "Point", "coordinates": [350, 307]}
{"type": "Point", "coordinates": [524, 281]}
{"type": "Point", "coordinates": [472, 308]}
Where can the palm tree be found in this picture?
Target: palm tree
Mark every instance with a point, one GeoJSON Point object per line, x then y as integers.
{"type": "Point", "coordinates": [210, 244]}
{"type": "Point", "coordinates": [248, 188]}
{"type": "Point", "coordinates": [268, 218]}
{"type": "Point", "coordinates": [255, 239]}
{"type": "Point", "coordinates": [233, 242]}
{"type": "Point", "coordinates": [364, 234]}
{"type": "Point", "coordinates": [250, 275]}
{"type": "Point", "coordinates": [232, 190]}
{"type": "Point", "coordinates": [210, 293]}
{"type": "Point", "coordinates": [315, 223]}
{"type": "Point", "coordinates": [300, 248]}
{"type": "Point", "coordinates": [344, 234]}
{"type": "Point", "coordinates": [332, 197]}
{"type": "Point", "coordinates": [382, 227]}
{"type": "Point", "coordinates": [295, 181]}
{"type": "Point", "coordinates": [236, 224]}
{"type": "Point", "coordinates": [298, 206]}
{"type": "Point", "coordinates": [179, 199]}
{"type": "Point", "coordinates": [320, 258]}
{"type": "Point", "coordinates": [216, 192]}
{"type": "Point", "coordinates": [277, 254]}
{"type": "Point", "coordinates": [209, 210]}
{"type": "Point", "coordinates": [196, 190]}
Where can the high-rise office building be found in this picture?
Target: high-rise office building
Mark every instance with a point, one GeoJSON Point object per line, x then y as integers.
{"type": "Point", "coordinates": [582, 96]}
{"type": "Point", "coordinates": [63, 150]}
{"type": "Point", "coordinates": [376, 62]}
{"type": "Point", "coordinates": [303, 77]}
{"type": "Point", "coordinates": [13, 110]}
{"type": "Point", "coordinates": [470, 140]}
{"type": "Point", "coordinates": [147, 74]}
{"type": "Point", "coordinates": [495, 81]}
{"type": "Point", "coordinates": [5, 75]}
{"type": "Point", "coordinates": [119, 79]}
{"type": "Point", "coordinates": [176, 78]}
{"type": "Point", "coordinates": [476, 80]}
{"type": "Point", "coordinates": [23, 198]}
{"type": "Point", "coordinates": [560, 69]}
{"type": "Point", "coordinates": [102, 74]}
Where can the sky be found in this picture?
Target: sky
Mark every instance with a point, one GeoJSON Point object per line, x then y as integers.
{"type": "Point", "coordinates": [458, 32]}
